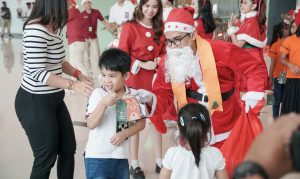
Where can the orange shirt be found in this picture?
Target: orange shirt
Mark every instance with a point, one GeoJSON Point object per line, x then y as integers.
{"type": "Point", "coordinates": [291, 47]}
{"type": "Point", "coordinates": [274, 54]}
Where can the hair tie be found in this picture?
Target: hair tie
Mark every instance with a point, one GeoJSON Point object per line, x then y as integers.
{"type": "Point", "coordinates": [202, 117]}
{"type": "Point", "coordinates": [181, 121]}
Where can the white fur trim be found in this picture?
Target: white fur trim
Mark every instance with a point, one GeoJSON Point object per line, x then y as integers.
{"type": "Point", "coordinates": [154, 103]}
{"type": "Point", "coordinates": [84, 1]}
{"type": "Point", "coordinates": [251, 14]}
{"type": "Point", "coordinates": [146, 97]}
{"type": "Point", "coordinates": [232, 30]}
{"type": "Point", "coordinates": [253, 95]}
{"type": "Point", "coordinates": [135, 67]}
{"type": "Point", "coordinates": [252, 41]}
{"type": "Point", "coordinates": [179, 27]}
{"type": "Point", "coordinates": [218, 138]}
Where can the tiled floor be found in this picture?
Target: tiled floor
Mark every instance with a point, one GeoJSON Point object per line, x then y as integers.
{"type": "Point", "coordinates": [16, 156]}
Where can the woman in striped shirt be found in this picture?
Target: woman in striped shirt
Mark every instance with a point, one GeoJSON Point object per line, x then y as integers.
{"type": "Point", "coordinates": [39, 102]}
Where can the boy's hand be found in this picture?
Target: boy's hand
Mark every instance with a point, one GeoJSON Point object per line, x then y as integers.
{"type": "Point", "coordinates": [118, 138]}
{"type": "Point", "coordinates": [110, 99]}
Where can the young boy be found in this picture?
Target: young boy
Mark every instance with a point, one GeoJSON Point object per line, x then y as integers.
{"type": "Point", "coordinates": [107, 149]}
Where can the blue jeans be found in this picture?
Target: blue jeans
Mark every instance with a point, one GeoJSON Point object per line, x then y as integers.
{"type": "Point", "coordinates": [278, 93]}
{"type": "Point", "coordinates": [102, 168]}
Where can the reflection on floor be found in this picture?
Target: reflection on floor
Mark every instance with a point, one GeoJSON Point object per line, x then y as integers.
{"type": "Point", "coordinates": [16, 156]}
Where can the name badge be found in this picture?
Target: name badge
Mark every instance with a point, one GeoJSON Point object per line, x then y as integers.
{"type": "Point", "coordinates": [90, 28]}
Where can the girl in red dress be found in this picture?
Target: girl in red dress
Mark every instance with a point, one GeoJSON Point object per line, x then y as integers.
{"type": "Point", "coordinates": [251, 32]}
{"type": "Point", "coordinates": [204, 20]}
{"type": "Point", "coordinates": [143, 39]}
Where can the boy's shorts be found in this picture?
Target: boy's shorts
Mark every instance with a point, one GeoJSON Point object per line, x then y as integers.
{"type": "Point", "coordinates": [101, 168]}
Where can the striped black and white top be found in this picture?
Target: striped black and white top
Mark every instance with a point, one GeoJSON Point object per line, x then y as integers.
{"type": "Point", "coordinates": [43, 54]}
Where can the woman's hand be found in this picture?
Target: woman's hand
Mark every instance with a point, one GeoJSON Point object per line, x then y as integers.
{"type": "Point", "coordinates": [82, 77]}
{"type": "Point", "coordinates": [232, 20]}
{"type": "Point", "coordinates": [84, 88]}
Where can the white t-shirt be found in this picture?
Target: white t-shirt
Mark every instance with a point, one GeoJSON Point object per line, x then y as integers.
{"type": "Point", "coordinates": [182, 163]}
{"type": "Point", "coordinates": [98, 144]}
{"type": "Point", "coordinates": [119, 14]}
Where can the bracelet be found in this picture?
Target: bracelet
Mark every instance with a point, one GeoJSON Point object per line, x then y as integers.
{"type": "Point", "coordinates": [249, 168]}
{"type": "Point", "coordinates": [70, 85]}
{"type": "Point", "coordinates": [76, 74]}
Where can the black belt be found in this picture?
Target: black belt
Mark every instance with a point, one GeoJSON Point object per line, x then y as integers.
{"type": "Point", "coordinates": [204, 98]}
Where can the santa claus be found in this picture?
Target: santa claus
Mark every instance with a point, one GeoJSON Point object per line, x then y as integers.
{"type": "Point", "coordinates": [205, 71]}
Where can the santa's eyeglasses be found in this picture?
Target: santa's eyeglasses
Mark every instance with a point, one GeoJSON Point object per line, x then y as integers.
{"type": "Point", "coordinates": [177, 41]}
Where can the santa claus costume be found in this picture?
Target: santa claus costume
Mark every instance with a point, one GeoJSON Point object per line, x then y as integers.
{"type": "Point", "coordinates": [217, 66]}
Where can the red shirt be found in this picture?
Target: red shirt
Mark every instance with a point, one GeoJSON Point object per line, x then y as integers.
{"type": "Point", "coordinates": [74, 26]}
{"type": "Point", "coordinates": [92, 21]}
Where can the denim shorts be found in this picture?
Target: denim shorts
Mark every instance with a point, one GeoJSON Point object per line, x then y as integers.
{"type": "Point", "coordinates": [102, 168]}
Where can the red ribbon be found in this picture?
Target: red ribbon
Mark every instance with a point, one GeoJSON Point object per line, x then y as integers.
{"type": "Point", "coordinates": [204, 2]}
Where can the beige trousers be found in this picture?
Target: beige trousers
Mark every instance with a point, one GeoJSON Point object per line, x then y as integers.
{"type": "Point", "coordinates": [93, 54]}
{"type": "Point", "coordinates": [6, 25]}
{"type": "Point", "coordinates": [77, 57]}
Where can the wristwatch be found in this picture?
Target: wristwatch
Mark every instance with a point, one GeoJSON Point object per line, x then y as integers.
{"type": "Point", "coordinates": [248, 169]}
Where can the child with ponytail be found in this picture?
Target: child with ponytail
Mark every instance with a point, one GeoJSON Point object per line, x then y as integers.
{"type": "Point", "coordinates": [193, 158]}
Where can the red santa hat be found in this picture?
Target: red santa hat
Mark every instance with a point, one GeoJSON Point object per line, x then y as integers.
{"type": "Point", "coordinates": [297, 18]}
{"type": "Point", "coordinates": [73, 2]}
{"type": "Point", "coordinates": [181, 20]}
{"type": "Point", "coordinates": [84, 1]}
{"type": "Point", "coordinates": [291, 12]}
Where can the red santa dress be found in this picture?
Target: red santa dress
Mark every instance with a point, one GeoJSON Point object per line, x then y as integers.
{"type": "Point", "coordinates": [137, 39]}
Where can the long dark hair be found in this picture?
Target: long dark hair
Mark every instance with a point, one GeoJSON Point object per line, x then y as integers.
{"type": "Point", "coordinates": [157, 22]}
{"type": "Point", "coordinates": [291, 25]}
{"type": "Point", "coordinates": [278, 31]}
{"type": "Point", "coordinates": [261, 18]}
{"type": "Point", "coordinates": [54, 12]}
{"type": "Point", "coordinates": [205, 12]}
{"type": "Point", "coordinates": [194, 125]}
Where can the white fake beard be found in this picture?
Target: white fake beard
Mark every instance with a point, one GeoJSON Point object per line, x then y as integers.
{"type": "Point", "coordinates": [180, 65]}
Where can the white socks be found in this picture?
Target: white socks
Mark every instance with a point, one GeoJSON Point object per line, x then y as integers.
{"type": "Point", "coordinates": [135, 164]}
{"type": "Point", "coordinates": [159, 162]}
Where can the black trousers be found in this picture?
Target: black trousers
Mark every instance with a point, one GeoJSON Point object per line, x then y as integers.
{"type": "Point", "coordinates": [291, 96]}
{"type": "Point", "coordinates": [48, 126]}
